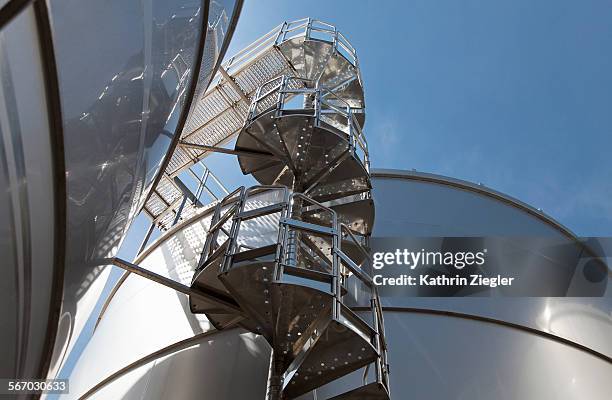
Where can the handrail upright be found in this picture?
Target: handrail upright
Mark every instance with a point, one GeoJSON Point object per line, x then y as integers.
{"type": "Point", "coordinates": [280, 32]}
{"type": "Point", "coordinates": [233, 235]}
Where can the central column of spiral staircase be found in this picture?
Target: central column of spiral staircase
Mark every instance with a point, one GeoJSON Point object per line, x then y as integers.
{"type": "Point", "coordinates": [287, 257]}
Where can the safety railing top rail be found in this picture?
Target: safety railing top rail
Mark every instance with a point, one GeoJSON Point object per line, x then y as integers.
{"type": "Point", "coordinates": [306, 199]}
{"type": "Point", "coordinates": [232, 196]}
{"type": "Point", "coordinates": [306, 27]}
{"type": "Point", "coordinates": [248, 54]}
{"type": "Point", "coordinates": [344, 229]}
{"type": "Point", "coordinates": [252, 190]}
{"type": "Point", "coordinates": [324, 100]}
{"type": "Point", "coordinates": [280, 84]}
{"type": "Point", "coordinates": [314, 29]}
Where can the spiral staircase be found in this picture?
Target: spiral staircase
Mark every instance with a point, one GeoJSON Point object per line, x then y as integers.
{"type": "Point", "coordinates": [288, 259]}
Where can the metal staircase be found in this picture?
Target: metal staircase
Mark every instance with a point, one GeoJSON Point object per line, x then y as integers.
{"type": "Point", "coordinates": [293, 48]}
{"type": "Point", "coordinates": [287, 259]}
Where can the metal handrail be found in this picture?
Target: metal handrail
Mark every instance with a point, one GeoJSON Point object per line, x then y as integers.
{"type": "Point", "coordinates": [250, 52]}
{"type": "Point", "coordinates": [229, 197]}
{"type": "Point", "coordinates": [281, 86]}
{"type": "Point", "coordinates": [383, 367]}
{"type": "Point", "coordinates": [218, 220]}
{"type": "Point", "coordinates": [345, 228]}
{"type": "Point", "coordinates": [262, 188]}
{"type": "Point", "coordinates": [316, 203]}
{"type": "Point", "coordinates": [376, 309]}
{"type": "Point", "coordinates": [302, 27]}
{"type": "Point", "coordinates": [305, 27]}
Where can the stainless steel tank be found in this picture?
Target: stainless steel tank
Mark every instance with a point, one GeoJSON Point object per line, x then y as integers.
{"type": "Point", "coordinates": [147, 343]}
{"type": "Point", "coordinates": [93, 94]}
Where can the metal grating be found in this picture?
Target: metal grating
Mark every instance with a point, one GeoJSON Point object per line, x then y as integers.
{"type": "Point", "coordinates": [215, 119]}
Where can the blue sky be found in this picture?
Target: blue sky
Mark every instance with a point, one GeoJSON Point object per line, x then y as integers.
{"type": "Point", "coordinates": [514, 94]}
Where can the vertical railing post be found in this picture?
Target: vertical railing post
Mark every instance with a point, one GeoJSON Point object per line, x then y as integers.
{"type": "Point", "coordinates": [335, 45]}
{"type": "Point", "coordinates": [281, 31]}
{"type": "Point", "coordinates": [317, 104]}
{"type": "Point", "coordinates": [293, 237]}
{"type": "Point", "coordinates": [281, 95]}
{"type": "Point", "coordinates": [377, 342]}
{"type": "Point", "coordinates": [352, 141]}
{"type": "Point", "coordinates": [202, 183]}
{"type": "Point", "coordinates": [336, 266]}
{"type": "Point", "coordinates": [308, 29]}
{"type": "Point", "coordinates": [254, 104]}
{"type": "Point", "coordinates": [234, 231]}
{"type": "Point", "coordinates": [210, 237]}
{"type": "Point", "coordinates": [282, 237]}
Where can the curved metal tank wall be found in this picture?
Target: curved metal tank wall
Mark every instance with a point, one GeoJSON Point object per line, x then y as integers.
{"type": "Point", "coordinates": [485, 348]}
{"type": "Point", "coordinates": [30, 210]}
{"type": "Point", "coordinates": [126, 73]}
{"type": "Point", "coordinates": [459, 348]}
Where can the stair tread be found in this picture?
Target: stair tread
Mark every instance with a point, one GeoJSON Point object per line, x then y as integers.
{"type": "Point", "coordinates": [357, 215]}
{"type": "Point", "coordinates": [371, 391]}
{"type": "Point", "coordinates": [331, 68]}
{"type": "Point", "coordinates": [338, 352]}
{"type": "Point", "coordinates": [318, 155]}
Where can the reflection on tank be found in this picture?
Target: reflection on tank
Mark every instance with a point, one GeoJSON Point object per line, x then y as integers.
{"type": "Point", "coordinates": [123, 98]}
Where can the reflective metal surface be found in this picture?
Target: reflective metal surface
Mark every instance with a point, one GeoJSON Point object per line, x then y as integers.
{"type": "Point", "coordinates": [126, 76]}
{"type": "Point", "coordinates": [437, 357]}
{"type": "Point", "coordinates": [432, 355]}
{"type": "Point", "coordinates": [198, 369]}
{"type": "Point", "coordinates": [441, 206]}
{"type": "Point", "coordinates": [28, 200]}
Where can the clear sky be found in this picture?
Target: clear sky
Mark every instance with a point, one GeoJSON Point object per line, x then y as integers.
{"type": "Point", "coordinates": [514, 94]}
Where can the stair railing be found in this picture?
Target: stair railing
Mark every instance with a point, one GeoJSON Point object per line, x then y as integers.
{"type": "Point", "coordinates": [357, 140]}
{"type": "Point", "coordinates": [313, 29]}
{"type": "Point", "coordinates": [281, 90]}
{"type": "Point", "coordinates": [219, 218]}
{"type": "Point", "coordinates": [382, 367]}
{"type": "Point", "coordinates": [243, 214]}
{"type": "Point", "coordinates": [307, 28]}
{"type": "Point", "coordinates": [234, 206]}
{"type": "Point", "coordinates": [293, 224]}
{"type": "Point", "coordinates": [379, 341]}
